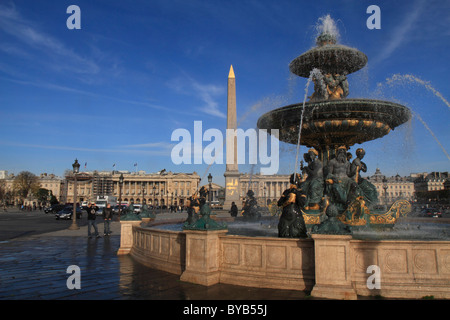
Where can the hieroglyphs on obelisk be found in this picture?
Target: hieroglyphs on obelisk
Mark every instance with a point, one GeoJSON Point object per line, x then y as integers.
{"type": "Point", "coordinates": [232, 172]}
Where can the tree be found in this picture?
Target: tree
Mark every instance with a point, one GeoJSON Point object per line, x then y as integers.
{"type": "Point", "coordinates": [24, 183]}
{"type": "Point", "coordinates": [2, 190]}
{"type": "Point", "coordinates": [43, 195]}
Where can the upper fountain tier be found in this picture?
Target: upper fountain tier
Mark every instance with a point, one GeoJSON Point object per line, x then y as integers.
{"type": "Point", "coordinates": [329, 57]}
{"type": "Point", "coordinates": [329, 120]}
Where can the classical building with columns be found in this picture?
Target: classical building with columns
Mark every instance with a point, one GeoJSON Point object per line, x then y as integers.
{"type": "Point", "coordinates": [167, 188]}
{"type": "Point", "coordinates": [266, 188]}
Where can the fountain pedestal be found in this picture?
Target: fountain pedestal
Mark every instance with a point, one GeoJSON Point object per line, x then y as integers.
{"type": "Point", "coordinates": [202, 257]}
{"type": "Point", "coordinates": [126, 235]}
{"type": "Point", "coordinates": [332, 266]}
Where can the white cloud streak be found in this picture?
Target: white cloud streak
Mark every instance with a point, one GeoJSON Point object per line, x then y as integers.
{"type": "Point", "coordinates": [26, 32]}
{"type": "Point", "coordinates": [207, 93]}
{"type": "Point", "coordinates": [403, 33]}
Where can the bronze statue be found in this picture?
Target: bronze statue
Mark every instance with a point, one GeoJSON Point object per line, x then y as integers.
{"type": "Point", "coordinates": [366, 189]}
{"type": "Point", "coordinates": [291, 223]}
{"type": "Point", "coordinates": [250, 207]}
{"type": "Point", "coordinates": [193, 208]}
{"type": "Point", "coordinates": [340, 187]}
{"type": "Point", "coordinates": [146, 213]}
{"type": "Point", "coordinates": [313, 185]}
{"type": "Point", "coordinates": [199, 214]}
{"type": "Point", "coordinates": [329, 86]}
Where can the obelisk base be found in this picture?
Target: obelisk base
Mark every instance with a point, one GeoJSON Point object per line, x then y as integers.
{"type": "Point", "coordinates": [232, 188]}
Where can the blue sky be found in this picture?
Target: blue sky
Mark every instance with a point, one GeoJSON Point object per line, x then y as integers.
{"type": "Point", "coordinates": [114, 91]}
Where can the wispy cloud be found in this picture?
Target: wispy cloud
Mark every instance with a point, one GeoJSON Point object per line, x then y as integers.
{"type": "Point", "coordinates": [158, 149]}
{"type": "Point", "coordinates": [56, 87]}
{"type": "Point", "coordinates": [207, 93]}
{"type": "Point", "coordinates": [150, 145]}
{"type": "Point", "coordinates": [26, 33]}
{"type": "Point", "coordinates": [402, 33]}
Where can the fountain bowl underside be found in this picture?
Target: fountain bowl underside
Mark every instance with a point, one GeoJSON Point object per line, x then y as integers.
{"type": "Point", "coordinates": [335, 59]}
{"type": "Point", "coordinates": [335, 122]}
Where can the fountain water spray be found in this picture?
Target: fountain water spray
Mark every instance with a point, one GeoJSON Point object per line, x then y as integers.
{"type": "Point", "coordinates": [414, 79]}
{"type": "Point", "coordinates": [326, 25]}
{"type": "Point", "coordinates": [433, 135]}
{"type": "Point", "coordinates": [315, 73]}
{"type": "Point", "coordinates": [401, 79]}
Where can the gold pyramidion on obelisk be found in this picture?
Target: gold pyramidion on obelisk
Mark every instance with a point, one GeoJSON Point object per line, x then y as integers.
{"type": "Point", "coordinates": [231, 174]}
{"type": "Point", "coordinates": [231, 74]}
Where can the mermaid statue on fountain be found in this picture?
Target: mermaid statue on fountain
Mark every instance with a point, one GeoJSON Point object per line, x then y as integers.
{"type": "Point", "coordinates": [291, 223]}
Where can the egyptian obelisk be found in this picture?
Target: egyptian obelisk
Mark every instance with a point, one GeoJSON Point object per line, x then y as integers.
{"type": "Point", "coordinates": [232, 172]}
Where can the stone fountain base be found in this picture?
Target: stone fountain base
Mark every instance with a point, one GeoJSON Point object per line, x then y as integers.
{"type": "Point", "coordinates": [328, 266]}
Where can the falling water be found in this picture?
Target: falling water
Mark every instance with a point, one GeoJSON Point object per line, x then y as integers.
{"type": "Point", "coordinates": [326, 24]}
{"type": "Point", "coordinates": [314, 73]}
{"type": "Point", "coordinates": [432, 134]}
{"type": "Point", "coordinates": [411, 78]}
{"type": "Point", "coordinates": [398, 78]}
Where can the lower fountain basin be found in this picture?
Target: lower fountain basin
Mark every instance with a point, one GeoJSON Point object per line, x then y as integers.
{"type": "Point", "coordinates": [335, 122]}
{"type": "Point", "coordinates": [404, 229]}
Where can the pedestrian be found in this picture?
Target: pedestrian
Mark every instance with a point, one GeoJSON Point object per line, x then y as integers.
{"type": "Point", "coordinates": [107, 217]}
{"type": "Point", "coordinates": [234, 210]}
{"type": "Point", "coordinates": [92, 214]}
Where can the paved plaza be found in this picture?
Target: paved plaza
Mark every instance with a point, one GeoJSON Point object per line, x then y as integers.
{"type": "Point", "coordinates": [34, 267]}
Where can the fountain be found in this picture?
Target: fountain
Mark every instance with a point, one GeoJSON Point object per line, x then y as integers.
{"type": "Point", "coordinates": [336, 258]}
{"type": "Point", "coordinates": [331, 123]}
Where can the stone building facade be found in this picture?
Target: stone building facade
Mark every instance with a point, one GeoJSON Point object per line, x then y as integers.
{"type": "Point", "coordinates": [159, 189]}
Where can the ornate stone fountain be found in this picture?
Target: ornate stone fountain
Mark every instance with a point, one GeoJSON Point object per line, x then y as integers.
{"type": "Point", "coordinates": [330, 124]}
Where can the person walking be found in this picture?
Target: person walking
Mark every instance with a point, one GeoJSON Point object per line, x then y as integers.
{"type": "Point", "coordinates": [92, 213]}
{"type": "Point", "coordinates": [107, 217]}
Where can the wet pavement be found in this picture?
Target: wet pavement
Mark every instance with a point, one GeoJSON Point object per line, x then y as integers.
{"type": "Point", "coordinates": [34, 267]}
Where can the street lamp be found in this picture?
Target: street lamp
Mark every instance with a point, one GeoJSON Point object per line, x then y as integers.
{"type": "Point", "coordinates": [161, 198]}
{"type": "Point", "coordinates": [265, 199]}
{"type": "Point", "coordinates": [153, 201]}
{"type": "Point", "coordinates": [385, 187]}
{"type": "Point", "coordinates": [76, 169]}
{"type": "Point", "coordinates": [210, 189]}
{"type": "Point", "coordinates": [143, 189]}
{"type": "Point", "coordinates": [120, 194]}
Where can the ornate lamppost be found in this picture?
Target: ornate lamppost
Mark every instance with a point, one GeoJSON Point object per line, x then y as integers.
{"type": "Point", "coordinates": [76, 169]}
{"type": "Point", "coordinates": [210, 188]}
{"type": "Point", "coordinates": [153, 201]}
{"type": "Point", "coordinates": [143, 189]}
{"type": "Point", "coordinates": [120, 194]}
{"type": "Point", "coordinates": [265, 199]}
{"type": "Point", "coordinates": [161, 198]}
{"type": "Point", "coordinates": [385, 187]}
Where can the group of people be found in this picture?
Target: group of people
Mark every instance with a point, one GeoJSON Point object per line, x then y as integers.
{"type": "Point", "coordinates": [340, 181]}
{"type": "Point", "coordinates": [107, 215]}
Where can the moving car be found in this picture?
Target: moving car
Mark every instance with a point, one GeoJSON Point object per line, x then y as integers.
{"type": "Point", "coordinates": [66, 213]}
{"type": "Point", "coordinates": [54, 208]}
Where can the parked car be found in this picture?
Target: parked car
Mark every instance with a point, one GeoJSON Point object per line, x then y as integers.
{"type": "Point", "coordinates": [116, 209]}
{"type": "Point", "coordinates": [54, 208]}
{"type": "Point", "coordinates": [434, 213]}
{"type": "Point", "coordinates": [66, 213]}
{"type": "Point", "coordinates": [137, 208]}
{"type": "Point", "coordinates": [100, 211]}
